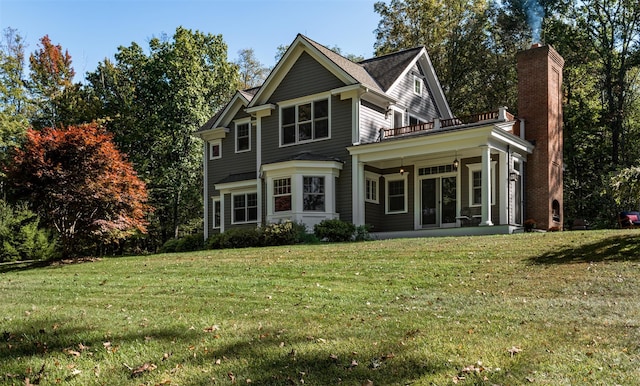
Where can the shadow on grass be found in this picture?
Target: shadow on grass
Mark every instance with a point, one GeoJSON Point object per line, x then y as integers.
{"type": "Point", "coordinates": [307, 362]}
{"type": "Point", "coordinates": [614, 248]}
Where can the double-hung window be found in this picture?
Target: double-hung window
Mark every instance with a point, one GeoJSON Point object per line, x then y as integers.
{"type": "Point", "coordinates": [313, 194]}
{"type": "Point", "coordinates": [475, 184]}
{"type": "Point", "coordinates": [243, 137]}
{"type": "Point", "coordinates": [305, 122]}
{"type": "Point", "coordinates": [417, 85]}
{"type": "Point", "coordinates": [397, 201]}
{"type": "Point", "coordinates": [282, 194]}
{"type": "Point", "coordinates": [371, 187]}
{"type": "Point", "coordinates": [216, 213]}
{"type": "Point", "coordinates": [245, 208]}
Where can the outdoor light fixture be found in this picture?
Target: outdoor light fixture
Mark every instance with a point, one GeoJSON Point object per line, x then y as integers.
{"type": "Point", "coordinates": [401, 166]}
{"type": "Point", "coordinates": [456, 163]}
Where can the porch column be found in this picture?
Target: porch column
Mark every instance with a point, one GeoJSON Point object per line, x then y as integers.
{"type": "Point", "coordinates": [357, 191]}
{"type": "Point", "coordinates": [504, 187]}
{"type": "Point", "coordinates": [486, 187]}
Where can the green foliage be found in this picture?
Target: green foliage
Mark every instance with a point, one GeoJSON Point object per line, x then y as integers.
{"type": "Point", "coordinates": [334, 230]}
{"type": "Point", "coordinates": [21, 237]}
{"type": "Point", "coordinates": [236, 238]}
{"type": "Point", "coordinates": [362, 233]}
{"type": "Point", "coordinates": [285, 233]}
{"type": "Point", "coordinates": [189, 243]}
{"type": "Point", "coordinates": [154, 102]}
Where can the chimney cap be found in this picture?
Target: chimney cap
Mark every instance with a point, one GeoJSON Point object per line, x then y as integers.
{"type": "Point", "coordinates": [536, 45]}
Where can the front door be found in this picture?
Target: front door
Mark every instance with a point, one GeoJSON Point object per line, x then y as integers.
{"type": "Point", "coordinates": [438, 201]}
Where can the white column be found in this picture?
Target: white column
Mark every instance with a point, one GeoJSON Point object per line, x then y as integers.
{"type": "Point", "coordinates": [503, 187]}
{"type": "Point", "coordinates": [357, 191]}
{"type": "Point", "coordinates": [486, 186]}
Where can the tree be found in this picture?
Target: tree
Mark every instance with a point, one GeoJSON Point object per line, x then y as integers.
{"type": "Point", "coordinates": [153, 104]}
{"type": "Point", "coordinates": [625, 186]}
{"type": "Point", "coordinates": [21, 237]}
{"type": "Point", "coordinates": [81, 186]}
{"type": "Point", "coordinates": [252, 72]}
{"type": "Point", "coordinates": [458, 38]}
{"type": "Point", "coordinates": [13, 98]}
{"type": "Point", "coordinates": [51, 74]}
{"type": "Point", "coordinates": [613, 28]}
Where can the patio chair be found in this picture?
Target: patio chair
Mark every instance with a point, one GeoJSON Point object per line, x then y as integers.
{"type": "Point", "coordinates": [629, 219]}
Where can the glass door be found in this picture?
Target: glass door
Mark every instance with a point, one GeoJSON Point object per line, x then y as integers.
{"type": "Point", "coordinates": [439, 203]}
{"type": "Point", "coordinates": [429, 202]}
{"type": "Point", "coordinates": [448, 200]}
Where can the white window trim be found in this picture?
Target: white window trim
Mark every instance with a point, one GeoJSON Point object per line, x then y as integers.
{"type": "Point", "coordinates": [478, 168]}
{"type": "Point", "coordinates": [215, 201]}
{"type": "Point", "coordinates": [302, 101]}
{"type": "Point", "coordinates": [240, 193]}
{"type": "Point", "coordinates": [297, 170]}
{"type": "Point", "coordinates": [324, 193]}
{"type": "Point", "coordinates": [418, 80]}
{"type": "Point", "coordinates": [273, 196]}
{"type": "Point", "coordinates": [401, 112]}
{"type": "Point", "coordinates": [397, 177]}
{"type": "Point", "coordinates": [238, 123]}
{"type": "Point", "coordinates": [212, 143]}
{"type": "Point", "coordinates": [370, 176]}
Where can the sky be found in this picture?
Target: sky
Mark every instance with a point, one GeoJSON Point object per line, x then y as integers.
{"type": "Point", "coordinates": [92, 30]}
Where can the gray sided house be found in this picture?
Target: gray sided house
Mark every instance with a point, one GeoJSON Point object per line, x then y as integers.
{"type": "Point", "coordinates": [376, 143]}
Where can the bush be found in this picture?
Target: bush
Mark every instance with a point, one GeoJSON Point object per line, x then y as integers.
{"type": "Point", "coordinates": [21, 238]}
{"type": "Point", "coordinates": [334, 230]}
{"type": "Point", "coordinates": [189, 243]}
{"type": "Point", "coordinates": [235, 238]}
{"type": "Point", "coordinates": [362, 233]}
{"type": "Point", "coordinates": [284, 233]}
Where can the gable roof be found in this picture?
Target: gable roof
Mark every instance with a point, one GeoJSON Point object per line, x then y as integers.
{"type": "Point", "coordinates": [386, 69]}
{"type": "Point", "coordinates": [355, 70]}
{"type": "Point", "coordinates": [377, 75]}
{"type": "Point", "coordinates": [243, 96]}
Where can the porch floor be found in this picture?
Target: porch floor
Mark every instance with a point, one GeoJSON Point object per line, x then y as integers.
{"type": "Point", "coordinates": [442, 232]}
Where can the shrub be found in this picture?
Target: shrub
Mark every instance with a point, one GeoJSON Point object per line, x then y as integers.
{"type": "Point", "coordinates": [362, 233]}
{"type": "Point", "coordinates": [235, 238]}
{"type": "Point", "coordinates": [334, 230]}
{"type": "Point", "coordinates": [188, 243]}
{"type": "Point", "coordinates": [21, 238]}
{"type": "Point", "coordinates": [279, 234]}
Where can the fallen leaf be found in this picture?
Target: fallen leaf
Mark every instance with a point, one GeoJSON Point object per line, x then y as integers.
{"type": "Point", "coordinates": [71, 352]}
{"type": "Point", "coordinates": [368, 382]}
{"type": "Point", "coordinates": [514, 350]}
{"type": "Point", "coordinates": [213, 328]}
{"type": "Point", "coordinates": [353, 364]}
{"type": "Point", "coordinates": [146, 367]}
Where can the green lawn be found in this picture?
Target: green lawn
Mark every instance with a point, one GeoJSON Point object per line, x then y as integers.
{"type": "Point", "coordinates": [545, 309]}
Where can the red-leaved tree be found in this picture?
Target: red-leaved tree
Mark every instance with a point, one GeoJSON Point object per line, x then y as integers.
{"type": "Point", "coordinates": [81, 185]}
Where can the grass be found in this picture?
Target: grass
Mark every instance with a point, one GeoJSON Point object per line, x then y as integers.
{"type": "Point", "coordinates": [545, 309]}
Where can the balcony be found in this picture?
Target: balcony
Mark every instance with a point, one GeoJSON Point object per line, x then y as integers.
{"type": "Point", "coordinates": [500, 115]}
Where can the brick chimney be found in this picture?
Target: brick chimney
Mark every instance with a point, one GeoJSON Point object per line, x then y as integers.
{"type": "Point", "coordinates": [540, 105]}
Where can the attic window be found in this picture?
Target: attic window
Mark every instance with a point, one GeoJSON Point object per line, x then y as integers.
{"type": "Point", "coordinates": [417, 85]}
